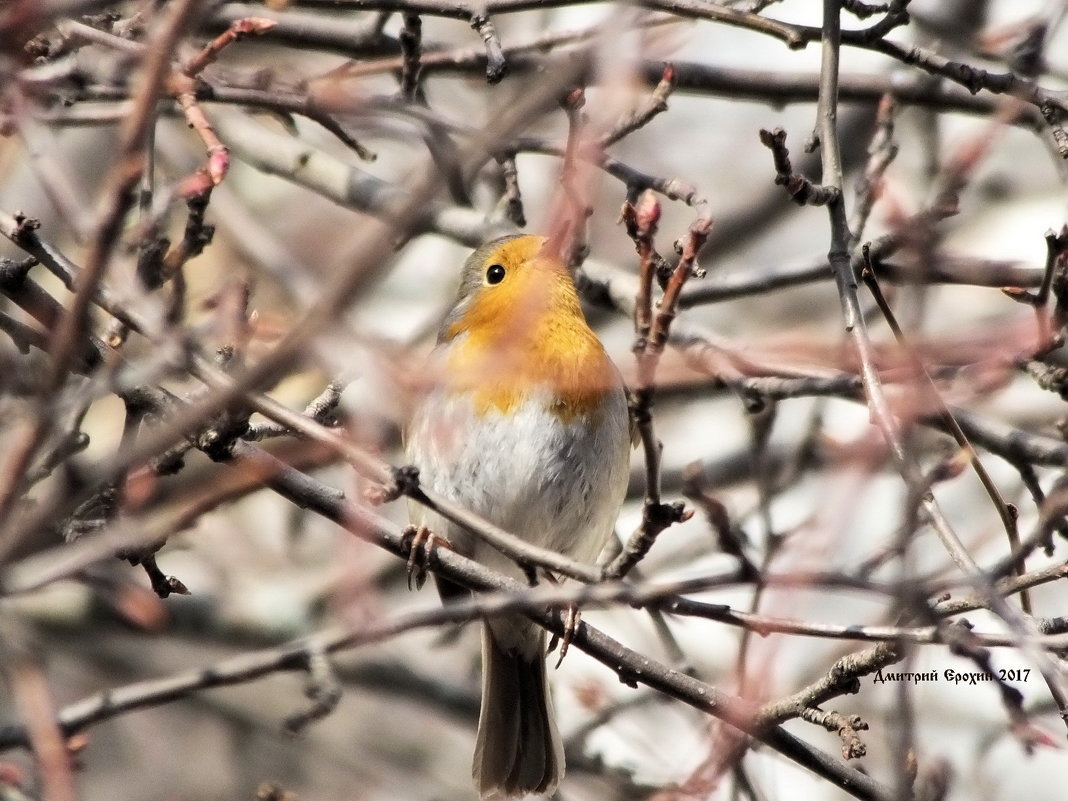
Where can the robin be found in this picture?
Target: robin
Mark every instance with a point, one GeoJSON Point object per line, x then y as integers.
{"type": "Point", "coordinates": [528, 427]}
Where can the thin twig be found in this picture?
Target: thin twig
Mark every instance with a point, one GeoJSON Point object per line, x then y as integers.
{"type": "Point", "coordinates": [119, 193]}
{"type": "Point", "coordinates": [654, 105]}
{"type": "Point", "coordinates": [411, 40]}
{"type": "Point", "coordinates": [651, 337]}
{"type": "Point", "coordinates": [1006, 511]}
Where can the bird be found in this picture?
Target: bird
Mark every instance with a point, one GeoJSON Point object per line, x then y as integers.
{"type": "Point", "coordinates": [527, 425]}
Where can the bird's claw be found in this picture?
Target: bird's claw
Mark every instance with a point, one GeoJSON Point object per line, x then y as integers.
{"type": "Point", "coordinates": [572, 618]}
{"type": "Point", "coordinates": [420, 550]}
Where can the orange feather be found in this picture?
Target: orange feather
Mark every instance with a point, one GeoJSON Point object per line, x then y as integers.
{"type": "Point", "coordinates": [528, 334]}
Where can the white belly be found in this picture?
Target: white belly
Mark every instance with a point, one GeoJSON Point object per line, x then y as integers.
{"type": "Point", "coordinates": [556, 483]}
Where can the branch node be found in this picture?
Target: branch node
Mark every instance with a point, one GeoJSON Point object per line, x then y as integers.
{"type": "Point", "coordinates": [801, 190]}
{"type": "Point", "coordinates": [322, 689]}
{"type": "Point", "coordinates": [496, 65]}
{"type": "Point", "coordinates": [403, 481]}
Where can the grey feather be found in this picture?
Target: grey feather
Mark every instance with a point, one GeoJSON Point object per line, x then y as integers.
{"type": "Point", "coordinates": [471, 279]}
{"type": "Point", "coordinates": [518, 750]}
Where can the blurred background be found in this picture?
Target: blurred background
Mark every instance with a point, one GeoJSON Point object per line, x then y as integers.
{"type": "Point", "coordinates": [807, 481]}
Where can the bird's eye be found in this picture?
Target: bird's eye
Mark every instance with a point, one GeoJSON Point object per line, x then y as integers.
{"type": "Point", "coordinates": [494, 274]}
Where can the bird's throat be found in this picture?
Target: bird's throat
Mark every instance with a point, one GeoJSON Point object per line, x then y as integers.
{"type": "Point", "coordinates": [551, 358]}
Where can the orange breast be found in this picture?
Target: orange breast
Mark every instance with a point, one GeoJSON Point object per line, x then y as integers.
{"type": "Point", "coordinates": [528, 337]}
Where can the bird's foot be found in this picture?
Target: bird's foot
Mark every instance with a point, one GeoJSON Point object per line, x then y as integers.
{"type": "Point", "coordinates": [572, 619]}
{"type": "Point", "coordinates": [421, 543]}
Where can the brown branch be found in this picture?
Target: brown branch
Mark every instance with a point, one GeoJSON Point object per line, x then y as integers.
{"type": "Point", "coordinates": [184, 88]}
{"type": "Point", "coordinates": [651, 337]}
{"type": "Point", "coordinates": [800, 189]}
{"type": "Point", "coordinates": [405, 481]}
{"type": "Point", "coordinates": [238, 30]}
{"type": "Point", "coordinates": [34, 703]}
{"type": "Point", "coordinates": [511, 201]}
{"type": "Point", "coordinates": [404, 217]}
{"type": "Point", "coordinates": [882, 150]}
{"type": "Point", "coordinates": [845, 726]}
{"type": "Point", "coordinates": [684, 8]}
{"type": "Point", "coordinates": [1006, 511]}
{"type": "Point", "coordinates": [1050, 322]}
{"type": "Point", "coordinates": [67, 337]}
{"type": "Point", "coordinates": [496, 65]}
{"type": "Point", "coordinates": [322, 689]}
{"type": "Point", "coordinates": [856, 327]}
{"type": "Point", "coordinates": [656, 104]}
{"type": "Point", "coordinates": [631, 666]}
{"type": "Point", "coordinates": [842, 679]}
{"type": "Point", "coordinates": [411, 41]}
{"type": "Point", "coordinates": [320, 410]}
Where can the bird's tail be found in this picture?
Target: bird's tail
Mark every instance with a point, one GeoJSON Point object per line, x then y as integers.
{"type": "Point", "coordinates": [518, 750]}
